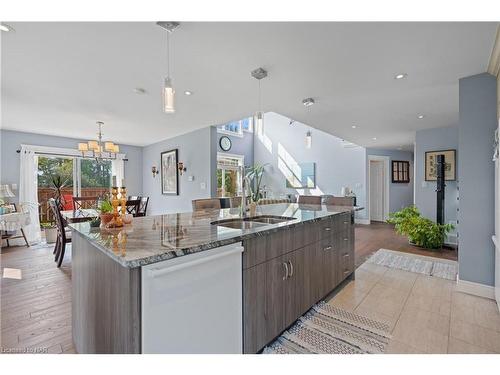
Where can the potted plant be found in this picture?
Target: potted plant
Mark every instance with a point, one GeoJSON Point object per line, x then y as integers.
{"type": "Point", "coordinates": [106, 211]}
{"type": "Point", "coordinates": [255, 173]}
{"type": "Point", "coordinates": [50, 230]}
{"type": "Point", "coordinates": [420, 231]}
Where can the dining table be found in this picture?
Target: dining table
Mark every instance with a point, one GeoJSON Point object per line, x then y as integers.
{"type": "Point", "coordinates": [80, 215]}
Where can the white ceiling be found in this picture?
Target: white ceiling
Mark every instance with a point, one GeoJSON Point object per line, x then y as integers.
{"type": "Point", "coordinates": [59, 78]}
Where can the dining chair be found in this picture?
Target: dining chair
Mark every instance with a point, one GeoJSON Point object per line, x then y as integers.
{"type": "Point", "coordinates": [339, 201]}
{"type": "Point", "coordinates": [309, 199]}
{"type": "Point", "coordinates": [133, 197]}
{"type": "Point", "coordinates": [143, 206]}
{"type": "Point", "coordinates": [84, 202]}
{"type": "Point", "coordinates": [206, 204]}
{"type": "Point", "coordinates": [132, 206]}
{"type": "Point", "coordinates": [63, 236]}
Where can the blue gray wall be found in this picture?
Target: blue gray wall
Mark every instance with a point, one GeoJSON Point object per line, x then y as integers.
{"type": "Point", "coordinates": [425, 191]}
{"type": "Point", "coordinates": [12, 140]}
{"type": "Point", "coordinates": [336, 166]}
{"type": "Point", "coordinates": [196, 151]}
{"type": "Point", "coordinates": [400, 194]}
{"type": "Point", "coordinates": [240, 146]}
{"type": "Point", "coordinates": [478, 121]}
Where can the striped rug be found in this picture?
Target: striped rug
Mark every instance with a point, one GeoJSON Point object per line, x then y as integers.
{"type": "Point", "coordinates": [327, 329]}
{"type": "Point", "coordinates": [442, 268]}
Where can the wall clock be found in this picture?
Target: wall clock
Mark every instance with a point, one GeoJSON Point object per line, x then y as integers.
{"type": "Point", "coordinates": [225, 143]}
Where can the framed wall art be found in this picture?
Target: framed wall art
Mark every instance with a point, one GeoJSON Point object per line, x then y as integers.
{"type": "Point", "coordinates": [400, 171]}
{"type": "Point", "coordinates": [449, 168]}
{"type": "Point", "coordinates": [169, 173]}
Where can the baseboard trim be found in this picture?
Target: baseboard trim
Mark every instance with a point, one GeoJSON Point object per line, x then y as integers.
{"type": "Point", "coordinates": [362, 221]}
{"type": "Point", "coordinates": [476, 289]}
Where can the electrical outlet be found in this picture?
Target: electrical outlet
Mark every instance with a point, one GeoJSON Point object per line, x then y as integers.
{"type": "Point", "coordinates": [203, 186]}
{"type": "Point", "coordinates": [190, 178]}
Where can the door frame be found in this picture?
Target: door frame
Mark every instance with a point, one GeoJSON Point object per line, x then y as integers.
{"type": "Point", "coordinates": [386, 189]}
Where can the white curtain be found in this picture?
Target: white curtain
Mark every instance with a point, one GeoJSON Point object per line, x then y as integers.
{"type": "Point", "coordinates": [28, 193]}
{"type": "Point", "coordinates": [118, 170]}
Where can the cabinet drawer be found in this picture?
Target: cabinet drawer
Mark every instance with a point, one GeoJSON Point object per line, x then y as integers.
{"type": "Point", "coordinates": [328, 244]}
{"type": "Point", "coordinates": [326, 228]}
{"type": "Point", "coordinates": [343, 221]}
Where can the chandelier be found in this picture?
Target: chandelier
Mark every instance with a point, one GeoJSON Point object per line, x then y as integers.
{"type": "Point", "coordinates": [99, 150]}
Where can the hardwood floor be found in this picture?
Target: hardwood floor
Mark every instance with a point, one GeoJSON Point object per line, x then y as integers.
{"type": "Point", "coordinates": [370, 238]}
{"type": "Point", "coordinates": [36, 309]}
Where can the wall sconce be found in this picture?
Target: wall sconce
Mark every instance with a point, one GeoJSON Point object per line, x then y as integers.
{"type": "Point", "coordinates": [181, 167]}
{"type": "Point", "coordinates": [154, 171]}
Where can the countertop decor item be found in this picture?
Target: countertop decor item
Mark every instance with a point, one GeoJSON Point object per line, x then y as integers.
{"type": "Point", "coordinates": [450, 165]}
{"type": "Point", "coordinates": [169, 173]}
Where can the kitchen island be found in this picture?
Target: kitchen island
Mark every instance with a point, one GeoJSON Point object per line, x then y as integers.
{"type": "Point", "coordinates": [208, 281]}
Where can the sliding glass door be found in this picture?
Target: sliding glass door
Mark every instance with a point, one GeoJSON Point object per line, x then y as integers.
{"type": "Point", "coordinates": [70, 176]}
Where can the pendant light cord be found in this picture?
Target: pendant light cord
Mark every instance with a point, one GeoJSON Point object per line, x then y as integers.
{"type": "Point", "coordinates": [260, 98]}
{"type": "Point", "coordinates": [168, 54]}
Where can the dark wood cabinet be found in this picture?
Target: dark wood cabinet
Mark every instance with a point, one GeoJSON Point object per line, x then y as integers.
{"type": "Point", "coordinates": [287, 272]}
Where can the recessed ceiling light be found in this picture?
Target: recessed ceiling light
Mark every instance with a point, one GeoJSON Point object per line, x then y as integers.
{"type": "Point", "coordinates": [354, 126]}
{"type": "Point", "coordinates": [400, 76]}
{"type": "Point", "coordinates": [187, 92]}
{"type": "Point", "coordinates": [420, 117]}
{"type": "Point", "coordinates": [139, 90]}
{"type": "Point", "coordinates": [374, 138]}
{"type": "Point", "coordinates": [5, 27]}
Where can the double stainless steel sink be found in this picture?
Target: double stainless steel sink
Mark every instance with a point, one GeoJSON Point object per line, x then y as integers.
{"type": "Point", "coordinates": [252, 222]}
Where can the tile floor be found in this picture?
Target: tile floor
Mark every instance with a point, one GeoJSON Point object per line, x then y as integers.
{"type": "Point", "coordinates": [426, 314]}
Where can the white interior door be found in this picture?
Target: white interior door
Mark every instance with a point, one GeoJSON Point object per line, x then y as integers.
{"type": "Point", "coordinates": [376, 190]}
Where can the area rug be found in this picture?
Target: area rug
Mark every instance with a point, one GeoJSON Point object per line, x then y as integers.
{"type": "Point", "coordinates": [327, 329]}
{"type": "Point", "coordinates": [442, 268]}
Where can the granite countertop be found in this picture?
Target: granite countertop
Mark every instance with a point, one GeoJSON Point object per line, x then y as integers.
{"type": "Point", "coordinates": [152, 239]}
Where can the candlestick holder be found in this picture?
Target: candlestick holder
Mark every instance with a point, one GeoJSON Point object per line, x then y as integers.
{"type": "Point", "coordinates": [115, 202]}
{"type": "Point", "coordinates": [123, 201]}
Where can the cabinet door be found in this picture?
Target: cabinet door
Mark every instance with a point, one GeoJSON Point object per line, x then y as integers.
{"type": "Point", "coordinates": [276, 288]}
{"type": "Point", "coordinates": [301, 281]}
{"type": "Point", "coordinates": [254, 308]}
{"type": "Point", "coordinates": [330, 265]}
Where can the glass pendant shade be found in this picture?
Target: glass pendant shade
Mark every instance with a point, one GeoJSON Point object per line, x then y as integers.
{"type": "Point", "coordinates": [116, 149]}
{"type": "Point", "coordinates": [259, 122]}
{"type": "Point", "coordinates": [168, 96]}
{"type": "Point", "coordinates": [308, 139]}
{"type": "Point", "coordinates": [83, 147]}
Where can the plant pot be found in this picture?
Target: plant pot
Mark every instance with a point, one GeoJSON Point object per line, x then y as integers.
{"type": "Point", "coordinates": [106, 218]}
{"type": "Point", "coordinates": [50, 235]}
{"type": "Point", "coordinates": [426, 248]}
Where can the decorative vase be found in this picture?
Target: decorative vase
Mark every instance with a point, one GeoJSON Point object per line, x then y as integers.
{"type": "Point", "coordinates": [106, 218]}
{"type": "Point", "coordinates": [253, 208]}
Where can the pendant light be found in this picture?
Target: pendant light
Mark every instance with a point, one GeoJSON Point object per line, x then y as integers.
{"type": "Point", "coordinates": [308, 102]}
{"type": "Point", "coordinates": [258, 74]}
{"type": "Point", "coordinates": [308, 139]}
{"type": "Point", "coordinates": [168, 89]}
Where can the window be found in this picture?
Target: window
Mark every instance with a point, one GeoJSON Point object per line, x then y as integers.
{"type": "Point", "coordinates": [237, 127]}
{"type": "Point", "coordinates": [229, 175]}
